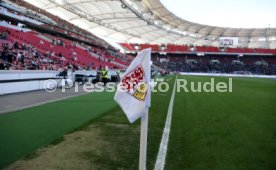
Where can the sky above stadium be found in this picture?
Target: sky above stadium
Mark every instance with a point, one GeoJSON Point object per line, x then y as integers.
{"type": "Point", "coordinates": [226, 13]}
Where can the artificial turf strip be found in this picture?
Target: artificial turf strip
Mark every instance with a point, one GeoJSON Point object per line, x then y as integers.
{"type": "Point", "coordinates": [225, 130]}
{"type": "Point", "coordinates": [22, 132]}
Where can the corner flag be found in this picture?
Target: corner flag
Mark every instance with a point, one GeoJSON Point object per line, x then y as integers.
{"type": "Point", "coordinates": [133, 92]}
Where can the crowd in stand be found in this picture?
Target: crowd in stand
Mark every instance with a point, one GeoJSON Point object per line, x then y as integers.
{"type": "Point", "coordinates": [210, 67]}
{"type": "Point", "coordinates": [108, 55]}
{"type": "Point", "coordinates": [58, 42]}
{"type": "Point", "coordinates": [26, 57]}
{"type": "Point", "coordinates": [15, 55]}
{"type": "Point", "coordinates": [50, 58]}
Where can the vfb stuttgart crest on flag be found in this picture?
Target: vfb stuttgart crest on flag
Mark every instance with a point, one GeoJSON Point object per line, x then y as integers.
{"type": "Point", "coordinates": [134, 83]}
{"type": "Point", "coordinates": [133, 92]}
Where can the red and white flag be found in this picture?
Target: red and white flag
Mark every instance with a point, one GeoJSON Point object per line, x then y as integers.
{"type": "Point", "coordinates": [133, 93]}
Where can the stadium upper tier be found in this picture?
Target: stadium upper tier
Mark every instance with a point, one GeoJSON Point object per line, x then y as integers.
{"type": "Point", "coordinates": [148, 21]}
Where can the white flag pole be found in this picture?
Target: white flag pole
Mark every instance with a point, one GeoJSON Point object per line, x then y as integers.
{"type": "Point", "coordinates": [144, 125]}
{"type": "Point", "coordinates": [143, 141]}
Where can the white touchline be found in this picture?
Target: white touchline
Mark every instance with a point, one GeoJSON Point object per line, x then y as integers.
{"type": "Point", "coordinates": [161, 157]}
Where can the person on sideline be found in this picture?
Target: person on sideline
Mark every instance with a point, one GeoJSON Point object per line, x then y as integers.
{"type": "Point", "coordinates": [104, 75]}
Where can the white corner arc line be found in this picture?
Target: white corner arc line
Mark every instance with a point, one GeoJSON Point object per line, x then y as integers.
{"type": "Point", "coordinates": [161, 157]}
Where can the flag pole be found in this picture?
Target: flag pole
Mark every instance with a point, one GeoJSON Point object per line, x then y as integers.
{"type": "Point", "coordinates": [143, 140]}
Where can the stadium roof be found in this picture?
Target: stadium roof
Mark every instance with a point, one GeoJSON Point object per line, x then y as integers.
{"type": "Point", "coordinates": [148, 21]}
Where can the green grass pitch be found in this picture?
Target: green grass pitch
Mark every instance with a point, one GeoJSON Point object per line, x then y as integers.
{"type": "Point", "coordinates": [225, 130]}
{"type": "Point", "coordinates": [209, 130]}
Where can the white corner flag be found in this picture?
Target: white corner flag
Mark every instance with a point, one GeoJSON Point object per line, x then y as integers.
{"type": "Point", "coordinates": [133, 95]}
{"type": "Point", "coordinates": [133, 92]}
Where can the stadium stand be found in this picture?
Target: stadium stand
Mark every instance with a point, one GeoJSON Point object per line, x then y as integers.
{"type": "Point", "coordinates": [263, 65]}
{"type": "Point", "coordinates": [66, 52]}
{"type": "Point", "coordinates": [66, 45]}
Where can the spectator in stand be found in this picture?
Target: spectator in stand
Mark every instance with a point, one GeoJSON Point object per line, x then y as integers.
{"type": "Point", "coordinates": [2, 66]}
{"type": "Point", "coordinates": [4, 35]}
{"type": "Point", "coordinates": [54, 42]}
{"type": "Point", "coordinates": [24, 47]}
{"type": "Point", "coordinates": [4, 55]}
{"type": "Point", "coordinates": [36, 54]}
{"type": "Point", "coordinates": [16, 45]}
{"type": "Point", "coordinates": [11, 57]}
{"type": "Point", "coordinates": [62, 43]}
{"type": "Point", "coordinates": [22, 58]}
